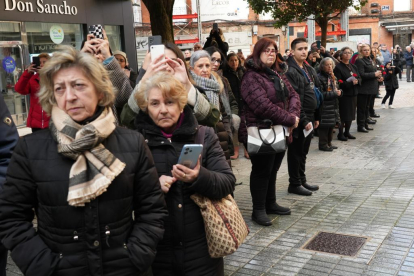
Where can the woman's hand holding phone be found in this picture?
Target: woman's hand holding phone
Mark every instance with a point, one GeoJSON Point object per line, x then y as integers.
{"type": "Point", "coordinates": [154, 66]}
{"type": "Point", "coordinates": [32, 68]}
{"type": "Point", "coordinates": [97, 47]}
{"type": "Point", "coordinates": [185, 174]}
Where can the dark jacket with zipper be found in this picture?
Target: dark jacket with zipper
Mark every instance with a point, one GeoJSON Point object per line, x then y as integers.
{"type": "Point", "coordinates": [235, 78]}
{"type": "Point", "coordinates": [328, 109]}
{"type": "Point", "coordinates": [391, 79]}
{"type": "Point", "coordinates": [259, 92]}
{"type": "Point", "coordinates": [99, 239]}
{"type": "Point", "coordinates": [183, 250]}
{"type": "Point", "coordinates": [369, 83]}
{"type": "Point", "coordinates": [342, 73]}
{"type": "Point", "coordinates": [309, 112]}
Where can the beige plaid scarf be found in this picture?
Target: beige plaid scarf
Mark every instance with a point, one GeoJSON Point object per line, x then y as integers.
{"type": "Point", "coordinates": [95, 167]}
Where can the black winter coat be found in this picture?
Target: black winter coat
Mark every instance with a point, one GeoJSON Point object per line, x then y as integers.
{"type": "Point", "coordinates": [8, 139]}
{"type": "Point", "coordinates": [235, 79]}
{"type": "Point", "coordinates": [99, 239]}
{"type": "Point", "coordinates": [183, 250]}
{"type": "Point", "coordinates": [328, 107]}
{"type": "Point", "coordinates": [391, 79]}
{"type": "Point", "coordinates": [308, 112]}
{"type": "Point", "coordinates": [366, 69]}
{"type": "Point", "coordinates": [342, 73]}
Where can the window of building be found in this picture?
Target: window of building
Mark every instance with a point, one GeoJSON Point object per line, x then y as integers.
{"type": "Point", "coordinates": [10, 31]}
{"type": "Point", "coordinates": [114, 37]}
{"type": "Point", "coordinates": [40, 41]}
{"type": "Point", "coordinates": [402, 5]}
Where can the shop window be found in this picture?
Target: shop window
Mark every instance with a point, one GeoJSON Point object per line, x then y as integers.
{"type": "Point", "coordinates": [10, 31]}
{"type": "Point", "coordinates": [402, 5]}
{"type": "Point", "coordinates": [114, 37]}
{"type": "Point", "coordinates": [41, 39]}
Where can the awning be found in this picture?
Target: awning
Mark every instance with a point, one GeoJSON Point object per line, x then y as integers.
{"type": "Point", "coordinates": [400, 29]}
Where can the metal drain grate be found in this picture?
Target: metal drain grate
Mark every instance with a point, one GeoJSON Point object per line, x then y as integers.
{"type": "Point", "coordinates": [336, 244]}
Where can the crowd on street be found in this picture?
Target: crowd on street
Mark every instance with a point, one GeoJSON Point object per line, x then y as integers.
{"type": "Point", "coordinates": [102, 170]}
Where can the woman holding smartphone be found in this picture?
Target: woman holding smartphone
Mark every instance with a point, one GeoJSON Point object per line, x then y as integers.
{"type": "Point", "coordinates": [168, 123]}
{"type": "Point", "coordinates": [28, 84]}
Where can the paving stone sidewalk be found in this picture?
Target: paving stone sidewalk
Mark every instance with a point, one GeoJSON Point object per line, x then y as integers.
{"type": "Point", "coordinates": [366, 188]}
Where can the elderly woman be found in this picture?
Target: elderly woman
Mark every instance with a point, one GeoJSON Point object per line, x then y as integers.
{"type": "Point", "coordinates": [328, 111]}
{"type": "Point", "coordinates": [28, 84]}
{"type": "Point", "coordinates": [168, 123]}
{"type": "Point", "coordinates": [206, 113]}
{"type": "Point", "coordinates": [370, 76]}
{"type": "Point", "coordinates": [267, 96]}
{"type": "Point", "coordinates": [349, 82]}
{"type": "Point", "coordinates": [84, 178]}
{"type": "Point", "coordinates": [202, 65]}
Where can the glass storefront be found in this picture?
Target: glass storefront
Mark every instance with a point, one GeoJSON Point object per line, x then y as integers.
{"type": "Point", "coordinates": [20, 41]}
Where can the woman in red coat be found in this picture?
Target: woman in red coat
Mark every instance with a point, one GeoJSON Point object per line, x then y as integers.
{"type": "Point", "coordinates": [28, 84]}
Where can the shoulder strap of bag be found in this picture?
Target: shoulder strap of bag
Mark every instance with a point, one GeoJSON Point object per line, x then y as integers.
{"type": "Point", "coordinates": [199, 139]}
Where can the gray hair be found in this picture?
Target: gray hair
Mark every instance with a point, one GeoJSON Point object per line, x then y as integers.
{"type": "Point", "coordinates": [325, 60]}
{"type": "Point", "coordinates": [197, 55]}
{"type": "Point", "coordinates": [408, 47]}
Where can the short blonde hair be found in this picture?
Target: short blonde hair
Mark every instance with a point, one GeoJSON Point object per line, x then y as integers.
{"type": "Point", "coordinates": [68, 57]}
{"type": "Point", "coordinates": [171, 89]}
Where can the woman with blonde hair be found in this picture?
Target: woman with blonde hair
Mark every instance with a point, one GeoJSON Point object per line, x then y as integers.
{"type": "Point", "coordinates": [92, 185]}
{"type": "Point", "coordinates": [168, 124]}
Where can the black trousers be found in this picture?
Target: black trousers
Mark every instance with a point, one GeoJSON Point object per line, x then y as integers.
{"type": "Point", "coordinates": [263, 179]}
{"type": "Point", "coordinates": [297, 152]}
{"type": "Point", "coordinates": [371, 105]}
{"type": "Point", "coordinates": [3, 260]}
{"type": "Point", "coordinates": [390, 94]}
{"type": "Point", "coordinates": [325, 136]}
{"type": "Point", "coordinates": [363, 102]}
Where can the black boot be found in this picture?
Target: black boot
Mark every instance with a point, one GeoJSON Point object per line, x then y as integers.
{"type": "Point", "coordinates": [299, 190]}
{"type": "Point", "coordinates": [260, 217]}
{"type": "Point", "coordinates": [367, 127]}
{"type": "Point", "coordinates": [275, 208]}
{"type": "Point", "coordinates": [362, 129]}
{"type": "Point", "coordinates": [310, 187]}
{"type": "Point", "coordinates": [342, 137]}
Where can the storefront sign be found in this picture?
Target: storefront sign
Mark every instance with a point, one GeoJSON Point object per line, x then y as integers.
{"type": "Point", "coordinates": [56, 34]}
{"type": "Point", "coordinates": [41, 7]}
{"type": "Point", "coordinates": [9, 64]}
{"type": "Point", "coordinates": [385, 7]}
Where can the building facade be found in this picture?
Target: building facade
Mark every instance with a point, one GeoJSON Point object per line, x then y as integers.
{"type": "Point", "coordinates": [31, 27]}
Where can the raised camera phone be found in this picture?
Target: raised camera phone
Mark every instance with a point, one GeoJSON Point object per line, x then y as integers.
{"type": "Point", "coordinates": [215, 26]}
{"type": "Point", "coordinates": [154, 40]}
{"type": "Point", "coordinates": [156, 51]}
{"type": "Point", "coordinates": [318, 44]}
{"type": "Point", "coordinates": [97, 31]}
{"type": "Point", "coordinates": [189, 155]}
{"type": "Point", "coordinates": [36, 61]}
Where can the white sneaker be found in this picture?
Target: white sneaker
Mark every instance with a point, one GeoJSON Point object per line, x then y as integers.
{"type": "Point", "coordinates": [390, 107]}
{"type": "Point", "coordinates": [383, 106]}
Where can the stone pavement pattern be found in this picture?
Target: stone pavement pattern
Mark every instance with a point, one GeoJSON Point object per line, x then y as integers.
{"type": "Point", "coordinates": [366, 188]}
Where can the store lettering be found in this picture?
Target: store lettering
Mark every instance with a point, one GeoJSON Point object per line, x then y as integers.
{"type": "Point", "coordinates": [41, 7]}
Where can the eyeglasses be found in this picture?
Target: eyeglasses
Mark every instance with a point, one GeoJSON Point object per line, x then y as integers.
{"type": "Point", "coordinates": [219, 61]}
{"type": "Point", "coordinates": [269, 51]}
{"type": "Point", "coordinates": [347, 53]}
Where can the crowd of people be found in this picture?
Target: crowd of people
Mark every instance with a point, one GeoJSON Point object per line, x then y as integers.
{"type": "Point", "coordinates": [100, 173]}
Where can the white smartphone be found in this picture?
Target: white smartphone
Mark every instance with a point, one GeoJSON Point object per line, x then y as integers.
{"type": "Point", "coordinates": [189, 155]}
{"type": "Point", "coordinates": [157, 51]}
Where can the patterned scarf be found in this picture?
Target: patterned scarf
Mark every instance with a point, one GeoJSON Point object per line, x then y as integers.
{"type": "Point", "coordinates": [210, 86]}
{"type": "Point", "coordinates": [95, 167]}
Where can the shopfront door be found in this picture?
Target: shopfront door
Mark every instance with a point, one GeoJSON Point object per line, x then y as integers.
{"type": "Point", "coordinates": [11, 61]}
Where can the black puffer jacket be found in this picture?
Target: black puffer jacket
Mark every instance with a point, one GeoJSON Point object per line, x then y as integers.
{"type": "Point", "coordinates": [235, 78]}
{"type": "Point", "coordinates": [183, 251]}
{"type": "Point", "coordinates": [329, 108]}
{"type": "Point", "coordinates": [366, 69]}
{"type": "Point", "coordinates": [99, 239]}
{"type": "Point", "coordinates": [391, 79]}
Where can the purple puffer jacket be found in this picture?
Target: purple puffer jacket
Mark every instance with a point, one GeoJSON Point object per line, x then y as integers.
{"type": "Point", "coordinates": [260, 103]}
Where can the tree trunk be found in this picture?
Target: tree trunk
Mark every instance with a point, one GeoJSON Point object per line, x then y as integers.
{"type": "Point", "coordinates": [323, 24]}
{"type": "Point", "coordinates": [161, 18]}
